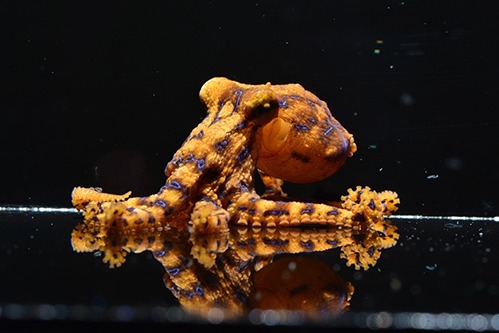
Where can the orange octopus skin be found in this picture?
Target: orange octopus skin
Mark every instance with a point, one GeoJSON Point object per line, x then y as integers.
{"type": "Point", "coordinates": [81, 196]}
{"type": "Point", "coordinates": [304, 143]}
{"type": "Point", "coordinates": [283, 131]}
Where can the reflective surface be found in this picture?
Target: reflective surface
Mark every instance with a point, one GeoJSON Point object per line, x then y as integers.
{"type": "Point", "coordinates": [436, 266]}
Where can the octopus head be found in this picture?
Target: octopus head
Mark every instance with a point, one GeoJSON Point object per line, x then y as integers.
{"type": "Point", "coordinates": [256, 104]}
{"type": "Point", "coordinates": [304, 142]}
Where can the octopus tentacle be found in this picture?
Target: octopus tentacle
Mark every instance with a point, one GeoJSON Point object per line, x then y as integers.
{"type": "Point", "coordinates": [81, 196]}
{"type": "Point", "coordinates": [208, 217]}
{"type": "Point", "coordinates": [273, 186]}
{"type": "Point", "coordinates": [359, 208]}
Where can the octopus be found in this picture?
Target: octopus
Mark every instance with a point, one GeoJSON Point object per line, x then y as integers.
{"type": "Point", "coordinates": [279, 132]}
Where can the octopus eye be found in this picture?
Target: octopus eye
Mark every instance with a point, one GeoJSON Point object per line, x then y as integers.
{"type": "Point", "coordinates": [274, 136]}
{"type": "Point", "coordinates": [261, 102]}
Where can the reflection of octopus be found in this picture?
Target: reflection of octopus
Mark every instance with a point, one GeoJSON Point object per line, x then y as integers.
{"type": "Point", "coordinates": [283, 131]}
{"type": "Point", "coordinates": [241, 270]}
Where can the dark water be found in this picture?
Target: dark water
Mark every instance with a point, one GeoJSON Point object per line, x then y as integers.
{"type": "Point", "coordinates": [103, 94]}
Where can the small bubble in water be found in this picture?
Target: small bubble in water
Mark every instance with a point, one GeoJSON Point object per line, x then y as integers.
{"type": "Point", "coordinates": [454, 163]}
{"type": "Point", "coordinates": [407, 99]}
{"type": "Point", "coordinates": [431, 267]}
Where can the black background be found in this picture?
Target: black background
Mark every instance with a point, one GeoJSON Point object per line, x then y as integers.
{"type": "Point", "coordinates": [104, 93]}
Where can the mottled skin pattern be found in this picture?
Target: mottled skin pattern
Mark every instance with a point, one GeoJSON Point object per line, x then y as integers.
{"type": "Point", "coordinates": [83, 196]}
{"type": "Point", "coordinates": [215, 270]}
{"type": "Point", "coordinates": [304, 143]}
{"type": "Point", "coordinates": [283, 131]}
